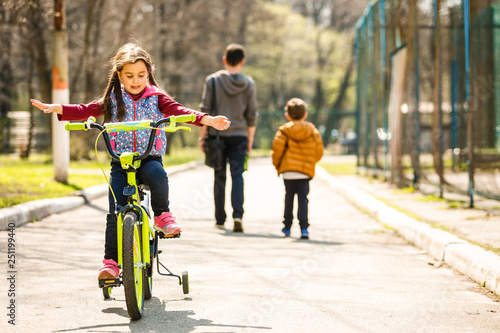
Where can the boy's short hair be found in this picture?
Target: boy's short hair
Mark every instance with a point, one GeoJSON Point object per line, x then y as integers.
{"type": "Point", "coordinates": [296, 108]}
{"type": "Point", "coordinates": [234, 54]}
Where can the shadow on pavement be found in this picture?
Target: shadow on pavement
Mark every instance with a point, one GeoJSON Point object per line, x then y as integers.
{"type": "Point", "coordinates": [316, 242]}
{"type": "Point", "coordinates": [100, 209]}
{"type": "Point", "coordinates": [157, 318]}
{"type": "Point", "coordinates": [274, 236]}
{"type": "Point", "coordinates": [239, 234]}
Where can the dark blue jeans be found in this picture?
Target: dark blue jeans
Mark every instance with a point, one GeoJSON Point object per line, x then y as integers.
{"type": "Point", "coordinates": [150, 173]}
{"type": "Point", "coordinates": [235, 151]}
{"type": "Point", "coordinates": [301, 188]}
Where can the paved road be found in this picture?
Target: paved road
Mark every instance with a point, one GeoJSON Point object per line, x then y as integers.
{"type": "Point", "coordinates": [352, 276]}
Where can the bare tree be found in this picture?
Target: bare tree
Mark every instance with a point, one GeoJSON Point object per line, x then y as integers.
{"type": "Point", "coordinates": [32, 30]}
{"type": "Point", "coordinates": [338, 101]}
{"type": "Point", "coordinates": [35, 39]}
{"type": "Point", "coordinates": [413, 119]}
{"type": "Point", "coordinates": [85, 63]}
{"type": "Point", "coordinates": [87, 88]}
{"type": "Point", "coordinates": [187, 43]}
{"type": "Point", "coordinates": [437, 115]}
{"type": "Point", "coordinates": [26, 150]}
{"type": "Point", "coordinates": [7, 17]}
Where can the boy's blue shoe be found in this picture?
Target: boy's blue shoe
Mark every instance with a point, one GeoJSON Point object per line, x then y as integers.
{"type": "Point", "coordinates": [286, 232]}
{"type": "Point", "coordinates": [304, 234]}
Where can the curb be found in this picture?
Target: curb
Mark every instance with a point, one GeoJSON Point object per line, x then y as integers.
{"type": "Point", "coordinates": [471, 260]}
{"type": "Point", "coordinates": [38, 209]}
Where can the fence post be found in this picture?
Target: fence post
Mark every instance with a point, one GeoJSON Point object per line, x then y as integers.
{"type": "Point", "coordinates": [437, 116]}
{"type": "Point", "coordinates": [466, 5]}
{"type": "Point", "coordinates": [371, 125]}
{"type": "Point", "coordinates": [454, 116]}
{"type": "Point", "coordinates": [416, 111]}
{"type": "Point", "coordinates": [358, 92]}
{"type": "Point", "coordinates": [383, 60]}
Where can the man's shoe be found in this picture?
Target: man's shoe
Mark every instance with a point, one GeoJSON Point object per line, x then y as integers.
{"type": "Point", "coordinates": [166, 223]}
{"type": "Point", "coordinates": [304, 234]}
{"type": "Point", "coordinates": [109, 270]}
{"type": "Point", "coordinates": [238, 225]}
{"type": "Point", "coordinates": [219, 226]}
{"type": "Point", "coordinates": [286, 232]}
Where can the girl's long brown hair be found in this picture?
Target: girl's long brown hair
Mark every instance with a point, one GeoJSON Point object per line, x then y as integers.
{"type": "Point", "coordinates": [129, 53]}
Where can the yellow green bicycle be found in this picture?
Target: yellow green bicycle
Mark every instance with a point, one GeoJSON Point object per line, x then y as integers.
{"type": "Point", "coordinates": [137, 241]}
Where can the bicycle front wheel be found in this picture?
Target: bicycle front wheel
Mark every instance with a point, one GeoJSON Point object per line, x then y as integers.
{"type": "Point", "coordinates": [133, 266]}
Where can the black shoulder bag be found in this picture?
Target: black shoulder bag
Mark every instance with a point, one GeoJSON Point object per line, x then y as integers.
{"type": "Point", "coordinates": [214, 145]}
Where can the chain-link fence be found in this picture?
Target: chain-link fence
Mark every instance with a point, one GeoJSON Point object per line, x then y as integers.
{"type": "Point", "coordinates": [428, 87]}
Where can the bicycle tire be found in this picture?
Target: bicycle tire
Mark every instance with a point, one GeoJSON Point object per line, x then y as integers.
{"type": "Point", "coordinates": [133, 266]}
{"type": "Point", "coordinates": [185, 282]}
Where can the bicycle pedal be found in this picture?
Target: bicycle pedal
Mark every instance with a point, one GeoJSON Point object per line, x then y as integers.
{"type": "Point", "coordinates": [104, 283]}
{"type": "Point", "coordinates": [161, 235]}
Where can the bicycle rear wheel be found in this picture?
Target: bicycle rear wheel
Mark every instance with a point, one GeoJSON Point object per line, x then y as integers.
{"type": "Point", "coordinates": [133, 266]}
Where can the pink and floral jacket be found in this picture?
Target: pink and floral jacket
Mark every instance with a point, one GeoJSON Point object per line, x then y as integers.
{"type": "Point", "coordinates": [153, 104]}
{"type": "Point", "coordinates": [144, 108]}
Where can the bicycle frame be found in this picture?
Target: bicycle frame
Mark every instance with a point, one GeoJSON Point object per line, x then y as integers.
{"type": "Point", "coordinates": [134, 205]}
{"type": "Point", "coordinates": [130, 162]}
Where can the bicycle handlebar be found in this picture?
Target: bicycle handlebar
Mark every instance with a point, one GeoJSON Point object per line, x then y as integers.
{"type": "Point", "coordinates": [76, 126]}
{"type": "Point", "coordinates": [133, 126]}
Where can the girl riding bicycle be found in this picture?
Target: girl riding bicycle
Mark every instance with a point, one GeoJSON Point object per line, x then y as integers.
{"type": "Point", "coordinates": [133, 94]}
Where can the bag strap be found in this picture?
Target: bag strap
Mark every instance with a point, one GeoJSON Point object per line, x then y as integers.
{"type": "Point", "coordinates": [214, 103]}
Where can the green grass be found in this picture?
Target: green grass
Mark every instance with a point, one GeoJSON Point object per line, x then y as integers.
{"type": "Point", "coordinates": [32, 179]}
{"type": "Point", "coordinates": [339, 168]}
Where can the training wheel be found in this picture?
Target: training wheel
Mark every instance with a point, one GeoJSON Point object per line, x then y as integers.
{"type": "Point", "coordinates": [106, 292]}
{"type": "Point", "coordinates": [185, 282]}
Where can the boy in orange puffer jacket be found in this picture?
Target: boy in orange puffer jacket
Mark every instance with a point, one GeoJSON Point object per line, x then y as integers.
{"type": "Point", "coordinates": [297, 147]}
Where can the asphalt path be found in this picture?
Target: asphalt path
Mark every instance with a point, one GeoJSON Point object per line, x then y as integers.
{"type": "Point", "coordinates": [353, 275]}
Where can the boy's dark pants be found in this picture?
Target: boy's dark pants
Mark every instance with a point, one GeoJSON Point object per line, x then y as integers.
{"type": "Point", "coordinates": [301, 188]}
{"type": "Point", "coordinates": [235, 152]}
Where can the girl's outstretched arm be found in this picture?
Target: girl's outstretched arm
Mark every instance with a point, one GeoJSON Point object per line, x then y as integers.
{"type": "Point", "coordinates": [47, 108]}
{"type": "Point", "coordinates": [220, 123]}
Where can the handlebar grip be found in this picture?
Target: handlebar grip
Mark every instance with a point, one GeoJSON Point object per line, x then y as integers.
{"type": "Point", "coordinates": [75, 126]}
{"type": "Point", "coordinates": [185, 118]}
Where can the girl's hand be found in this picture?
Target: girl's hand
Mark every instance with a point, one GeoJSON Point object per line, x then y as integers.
{"type": "Point", "coordinates": [47, 108]}
{"type": "Point", "coordinates": [220, 123]}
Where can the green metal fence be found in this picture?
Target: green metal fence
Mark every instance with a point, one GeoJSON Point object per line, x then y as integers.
{"type": "Point", "coordinates": [428, 93]}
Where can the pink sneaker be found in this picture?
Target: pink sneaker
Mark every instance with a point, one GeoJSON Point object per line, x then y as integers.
{"type": "Point", "coordinates": [166, 223]}
{"type": "Point", "coordinates": [108, 270]}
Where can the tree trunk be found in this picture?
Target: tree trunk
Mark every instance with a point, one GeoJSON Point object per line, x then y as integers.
{"type": "Point", "coordinates": [87, 67]}
{"type": "Point", "coordinates": [125, 23]}
{"type": "Point", "coordinates": [34, 42]}
{"type": "Point", "coordinates": [25, 151]}
{"type": "Point", "coordinates": [320, 64]}
{"type": "Point", "coordinates": [5, 78]}
{"type": "Point", "coordinates": [395, 117]}
{"type": "Point", "coordinates": [437, 114]}
{"type": "Point", "coordinates": [413, 116]}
